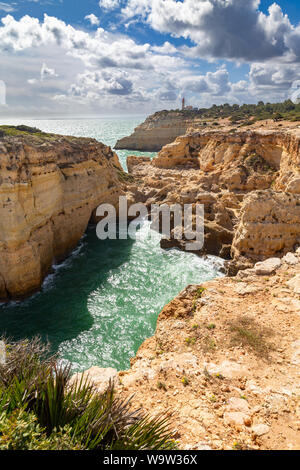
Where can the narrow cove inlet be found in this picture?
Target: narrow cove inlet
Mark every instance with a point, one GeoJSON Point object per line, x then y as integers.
{"type": "Point", "coordinates": [98, 306]}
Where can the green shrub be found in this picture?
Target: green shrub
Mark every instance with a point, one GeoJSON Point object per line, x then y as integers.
{"type": "Point", "coordinates": [21, 431]}
{"type": "Point", "coordinates": [36, 395]}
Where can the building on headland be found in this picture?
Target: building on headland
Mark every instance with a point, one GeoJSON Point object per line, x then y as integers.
{"type": "Point", "coordinates": [187, 108]}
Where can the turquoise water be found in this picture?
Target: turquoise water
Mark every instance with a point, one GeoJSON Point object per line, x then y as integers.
{"type": "Point", "coordinates": [98, 306]}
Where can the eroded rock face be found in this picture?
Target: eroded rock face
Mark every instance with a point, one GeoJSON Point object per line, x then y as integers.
{"type": "Point", "coordinates": [269, 224]}
{"type": "Point", "coordinates": [49, 188]}
{"type": "Point", "coordinates": [261, 153]}
{"type": "Point", "coordinates": [248, 182]}
{"type": "Point", "coordinates": [158, 130]}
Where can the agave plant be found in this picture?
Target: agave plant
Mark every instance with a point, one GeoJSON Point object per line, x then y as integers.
{"type": "Point", "coordinates": [34, 381]}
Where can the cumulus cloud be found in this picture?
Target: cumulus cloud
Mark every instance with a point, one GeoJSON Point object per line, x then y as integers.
{"type": "Point", "coordinates": [231, 29]}
{"type": "Point", "coordinates": [214, 84]}
{"type": "Point", "coordinates": [109, 4]}
{"type": "Point", "coordinates": [137, 8]}
{"type": "Point", "coordinates": [273, 82]}
{"type": "Point", "coordinates": [93, 84]}
{"type": "Point", "coordinates": [45, 73]}
{"type": "Point", "coordinates": [102, 48]}
{"type": "Point", "coordinates": [92, 19]}
{"type": "Point", "coordinates": [165, 49]}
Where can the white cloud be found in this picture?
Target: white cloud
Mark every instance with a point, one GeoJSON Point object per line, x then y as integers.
{"type": "Point", "coordinates": [271, 81]}
{"type": "Point", "coordinates": [6, 7]}
{"type": "Point", "coordinates": [213, 84]}
{"type": "Point", "coordinates": [91, 84]}
{"type": "Point", "coordinates": [137, 8]}
{"type": "Point", "coordinates": [109, 4]}
{"type": "Point", "coordinates": [166, 48]}
{"type": "Point", "coordinates": [92, 19]}
{"type": "Point", "coordinates": [45, 73]}
{"type": "Point", "coordinates": [32, 81]}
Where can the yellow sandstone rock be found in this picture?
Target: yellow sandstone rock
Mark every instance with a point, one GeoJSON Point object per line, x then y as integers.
{"type": "Point", "coordinates": [49, 188]}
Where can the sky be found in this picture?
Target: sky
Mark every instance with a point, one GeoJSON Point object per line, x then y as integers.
{"type": "Point", "coordinates": [112, 57]}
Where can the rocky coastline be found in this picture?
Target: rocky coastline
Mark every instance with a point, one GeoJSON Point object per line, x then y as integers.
{"type": "Point", "coordinates": [158, 130]}
{"type": "Point", "coordinates": [50, 186]}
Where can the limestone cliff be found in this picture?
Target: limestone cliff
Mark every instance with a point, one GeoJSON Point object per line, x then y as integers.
{"type": "Point", "coordinates": [248, 181]}
{"type": "Point", "coordinates": [49, 188]}
{"type": "Point", "coordinates": [158, 130]}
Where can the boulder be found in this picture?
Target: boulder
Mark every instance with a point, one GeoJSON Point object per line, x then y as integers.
{"type": "Point", "coordinates": [294, 186]}
{"type": "Point", "coordinates": [294, 284]}
{"type": "Point", "coordinates": [260, 429]}
{"type": "Point", "coordinates": [238, 404]}
{"type": "Point", "coordinates": [291, 259]}
{"type": "Point", "coordinates": [267, 267]}
{"type": "Point", "coordinates": [236, 419]}
{"type": "Point", "coordinates": [99, 377]}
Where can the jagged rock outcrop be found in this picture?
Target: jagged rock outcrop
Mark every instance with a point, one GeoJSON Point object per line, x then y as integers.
{"type": "Point", "coordinates": [158, 130]}
{"type": "Point", "coordinates": [49, 188]}
{"type": "Point", "coordinates": [241, 178]}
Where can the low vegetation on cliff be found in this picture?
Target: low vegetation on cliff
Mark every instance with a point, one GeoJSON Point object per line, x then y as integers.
{"type": "Point", "coordinates": [42, 409]}
{"type": "Point", "coordinates": [245, 113]}
{"type": "Point", "coordinates": [8, 131]}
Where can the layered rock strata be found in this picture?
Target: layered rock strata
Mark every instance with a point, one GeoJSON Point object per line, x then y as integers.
{"type": "Point", "coordinates": [49, 187]}
{"type": "Point", "coordinates": [158, 130]}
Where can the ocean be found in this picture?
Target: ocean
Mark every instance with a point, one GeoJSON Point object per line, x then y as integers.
{"type": "Point", "coordinates": [102, 302]}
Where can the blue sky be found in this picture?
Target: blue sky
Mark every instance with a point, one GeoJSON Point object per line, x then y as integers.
{"type": "Point", "coordinates": [97, 57]}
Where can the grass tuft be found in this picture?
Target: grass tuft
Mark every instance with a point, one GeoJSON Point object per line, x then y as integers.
{"type": "Point", "coordinates": [246, 332]}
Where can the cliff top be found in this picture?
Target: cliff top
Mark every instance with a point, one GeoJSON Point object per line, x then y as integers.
{"type": "Point", "coordinates": [43, 141]}
{"type": "Point", "coordinates": [245, 114]}
{"type": "Point", "coordinates": [34, 135]}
